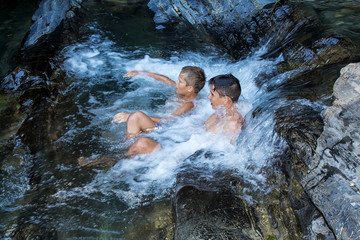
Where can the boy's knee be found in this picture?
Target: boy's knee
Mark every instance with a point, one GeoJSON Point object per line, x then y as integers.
{"type": "Point", "coordinates": [144, 145]}
{"type": "Point", "coordinates": [135, 116]}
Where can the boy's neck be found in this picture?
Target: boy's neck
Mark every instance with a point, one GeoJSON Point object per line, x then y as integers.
{"type": "Point", "coordinates": [189, 96]}
{"type": "Point", "coordinates": [231, 110]}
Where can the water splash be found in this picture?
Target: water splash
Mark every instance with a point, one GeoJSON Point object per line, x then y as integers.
{"type": "Point", "coordinates": [98, 62]}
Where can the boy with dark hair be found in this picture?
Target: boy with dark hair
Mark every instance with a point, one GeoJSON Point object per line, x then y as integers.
{"type": "Point", "coordinates": [225, 91]}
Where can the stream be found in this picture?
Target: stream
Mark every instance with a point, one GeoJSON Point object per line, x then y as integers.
{"type": "Point", "coordinates": [124, 196]}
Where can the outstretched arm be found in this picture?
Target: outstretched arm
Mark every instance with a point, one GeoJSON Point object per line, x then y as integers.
{"type": "Point", "coordinates": [156, 76]}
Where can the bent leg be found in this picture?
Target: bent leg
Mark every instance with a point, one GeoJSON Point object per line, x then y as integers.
{"type": "Point", "coordinates": [138, 122]}
{"type": "Point", "coordinates": [144, 145]}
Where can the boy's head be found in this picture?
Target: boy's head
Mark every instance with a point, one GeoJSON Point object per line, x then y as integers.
{"type": "Point", "coordinates": [194, 76]}
{"type": "Point", "coordinates": [225, 86]}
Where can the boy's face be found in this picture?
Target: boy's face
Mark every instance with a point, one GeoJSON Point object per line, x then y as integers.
{"type": "Point", "coordinates": [181, 84]}
{"type": "Point", "coordinates": [215, 99]}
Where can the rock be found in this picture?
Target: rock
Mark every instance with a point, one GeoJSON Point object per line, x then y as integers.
{"type": "Point", "coordinates": [33, 231]}
{"type": "Point", "coordinates": [34, 81]}
{"type": "Point", "coordinates": [301, 126]}
{"type": "Point", "coordinates": [158, 223]}
{"type": "Point", "coordinates": [213, 215]}
{"type": "Point", "coordinates": [49, 16]}
{"type": "Point", "coordinates": [333, 178]}
{"type": "Point", "coordinates": [210, 208]}
{"type": "Point", "coordinates": [10, 117]}
{"type": "Point", "coordinates": [216, 205]}
{"type": "Point", "coordinates": [243, 26]}
{"type": "Point", "coordinates": [239, 26]}
{"type": "Point", "coordinates": [322, 52]}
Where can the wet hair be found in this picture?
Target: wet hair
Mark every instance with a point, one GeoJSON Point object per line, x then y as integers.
{"type": "Point", "coordinates": [226, 85]}
{"type": "Point", "coordinates": [195, 77]}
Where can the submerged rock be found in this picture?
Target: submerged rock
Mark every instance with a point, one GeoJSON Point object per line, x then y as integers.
{"type": "Point", "coordinates": [35, 81]}
{"type": "Point", "coordinates": [209, 207]}
{"type": "Point", "coordinates": [213, 215]}
{"type": "Point", "coordinates": [221, 205]}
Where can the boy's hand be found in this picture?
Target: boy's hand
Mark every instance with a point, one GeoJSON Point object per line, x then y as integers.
{"type": "Point", "coordinates": [121, 117]}
{"type": "Point", "coordinates": [131, 74]}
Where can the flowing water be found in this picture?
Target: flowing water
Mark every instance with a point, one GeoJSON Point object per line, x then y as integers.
{"type": "Point", "coordinates": [109, 201]}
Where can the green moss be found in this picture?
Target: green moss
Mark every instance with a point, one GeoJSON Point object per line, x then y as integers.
{"type": "Point", "coordinates": [271, 238]}
{"type": "Point", "coordinates": [9, 103]}
{"type": "Point", "coordinates": [3, 101]}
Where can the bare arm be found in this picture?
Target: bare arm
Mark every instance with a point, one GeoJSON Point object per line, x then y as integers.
{"type": "Point", "coordinates": [233, 130]}
{"type": "Point", "coordinates": [211, 123]}
{"type": "Point", "coordinates": [181, 110]}
{"type": "Point", "coordinates": [184, 108]}
{"type": "Point", "coordinates": [156, 76]}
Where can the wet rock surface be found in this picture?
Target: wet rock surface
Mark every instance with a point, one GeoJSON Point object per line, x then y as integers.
{"type": "Point", "coordinates": [301, 126]}
{"type": "Point", "coordinates": [324, 153]}
{"type": "Point", "coordinates": [242, 26]}
{"type": "Point", "coordinates": [209, 214]}
{"type": "Point", "coordinates": [210, 208]}
{"type": "Point", "coordinates": [34, 82]}
{"type": "Point", "coordinates": [220, 205]}
{"type": "Point", "coordinates": [333, 178]}
{"type": "Point", "coordinates": [49, 16]}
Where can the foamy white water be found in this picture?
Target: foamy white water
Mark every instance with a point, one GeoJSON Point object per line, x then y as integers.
{"type": "Point", "coordinates": [98, 64]}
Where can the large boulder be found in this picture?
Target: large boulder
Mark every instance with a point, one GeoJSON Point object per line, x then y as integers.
{"type": "Point", "coordinates": [333, 177]}
{"type": "Point", "coordinates": [209, 207]}
{"type": "Point", "coordinates": [324, 153]}
{"type": "Point", "coordinates": [220, 204]}
{"type": "Point", "coordinates": [49, 16]}
{"type": "Point", "coordinates": [35, 82]}
{"type": "Point", "coordinates": [243, 26]}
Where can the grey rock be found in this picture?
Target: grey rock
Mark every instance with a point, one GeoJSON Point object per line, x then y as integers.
{"type": "Point", "coordinates": [242, 26]}
{"type": "Point", "coordinates": [49, 16]}
{"type": "Point", "coordinates": [231, 24]}
{"type": "Point", "coordinates": [205, 12]}
{"type": "Point", "coordinates": [333, 178]}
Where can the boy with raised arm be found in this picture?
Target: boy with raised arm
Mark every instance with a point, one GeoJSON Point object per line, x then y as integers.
{"type": "Point", "coordinates": [190, 81]}
{"type": "Point", "coordinates": [225, 91]}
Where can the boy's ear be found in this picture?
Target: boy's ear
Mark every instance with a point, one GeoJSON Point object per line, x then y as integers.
{"type": "Point", "coordinates": [227, 100]}
{"type": "Point", "coordinates": [190, 88]}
